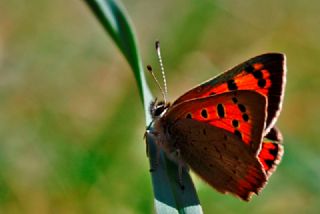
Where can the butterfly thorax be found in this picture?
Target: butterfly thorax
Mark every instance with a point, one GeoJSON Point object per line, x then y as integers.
{"type": "Point", "coordinates": [160, 131]}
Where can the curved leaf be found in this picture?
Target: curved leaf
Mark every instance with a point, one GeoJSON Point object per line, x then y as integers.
{"type": "Point", "coordinates": [169, 197]}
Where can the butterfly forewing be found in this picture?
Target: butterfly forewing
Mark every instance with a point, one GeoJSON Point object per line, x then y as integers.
{"type": "Point", "coordinates": [264, 74]}
{"type": "Point", "coordinates": [241, 113]}
{"type": "Point", "coordinates": [219, 157]}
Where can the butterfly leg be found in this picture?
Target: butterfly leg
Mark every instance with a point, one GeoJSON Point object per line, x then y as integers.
{"type": "Point", "coordinates": [181, 166]}
{"type": "Point", "coordinates": [152, 136]}
{"type": "Point", "coordinates": [146, 137]}
{"type": "Point", "coordinates": [149, 135]}
{"type": "Point", "coordinates": [156, 162]}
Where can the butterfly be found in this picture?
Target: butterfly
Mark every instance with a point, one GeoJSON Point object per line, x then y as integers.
{"type": "Point", "coordinates": [223, 129]}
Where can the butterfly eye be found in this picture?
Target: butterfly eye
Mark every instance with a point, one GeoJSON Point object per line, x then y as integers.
{"type": "Point", "coordinates": [158, 110]}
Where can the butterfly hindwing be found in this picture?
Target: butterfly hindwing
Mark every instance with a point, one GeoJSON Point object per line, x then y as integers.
{"type": "Point", "coordinates": [275, 135]}
{"type": "Point", "coordinates": [218, 157]}
{"type": "Point", "coordinates": [270, 156]}
{"type": "Point", "coordinates": [241, 113]}
{"type": "Point", "coordinates": [271, 151]}
{"type": "Point", "coordinates": [264, 74]}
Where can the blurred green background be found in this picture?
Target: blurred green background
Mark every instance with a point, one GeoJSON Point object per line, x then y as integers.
{"type": "Point", "coordinates": [71, 121]}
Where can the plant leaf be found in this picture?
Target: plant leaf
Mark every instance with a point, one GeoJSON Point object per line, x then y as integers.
{"type": "Point", "coordinates": [169, 197]}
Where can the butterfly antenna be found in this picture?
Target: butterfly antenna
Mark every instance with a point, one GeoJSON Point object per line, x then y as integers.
{"type": "Point", "coordinates": [154, 77]}
{"type": "Point", "coordinates": [161, 67]}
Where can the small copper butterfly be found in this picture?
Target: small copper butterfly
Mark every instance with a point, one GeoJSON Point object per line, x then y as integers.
{"type": "Point", "coordinates": [223, 129]}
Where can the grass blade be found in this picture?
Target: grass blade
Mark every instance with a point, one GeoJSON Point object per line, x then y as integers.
{"type": "Point", "coordinates": [169, 198]}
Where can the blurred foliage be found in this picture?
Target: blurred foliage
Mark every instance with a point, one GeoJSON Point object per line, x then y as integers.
{"type": "Point", "coordinates": [70, 114]}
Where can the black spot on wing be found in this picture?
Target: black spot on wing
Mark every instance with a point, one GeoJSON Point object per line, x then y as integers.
{"type": "Point", "coordinates": [204, 113]}
{"type": "Point", "coordinates": [245, 117]}
{"type": "Point", "coordinates": [234, 100]}
{"type": "Point", "coordinates": [220, 110]}
{"type": "Point", "coordinates": [238, 134]}
{"type": "Point", "coordinates": [249, 68]}
{"type": "Point", "coordinates": [274, 151]}
{"type": "Point", "coordinates": [262, 83]}
{"type": "Point", "coordinates": [232, 85]}
{"type": "Point", "coordinates": [242, 108]}
{"type": "Point", "coordinates": [258, 74]}
{"type": "Point", "coordinates": [269, 163]}
{"type": "Point", "coordinates": [235, 123]}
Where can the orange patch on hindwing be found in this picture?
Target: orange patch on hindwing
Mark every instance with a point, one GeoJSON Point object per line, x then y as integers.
{"type": "Point", "coordinates": [270, 156]}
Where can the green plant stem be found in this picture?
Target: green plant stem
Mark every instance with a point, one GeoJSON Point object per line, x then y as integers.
{"type": "Point", "coordinates": [169, 197]}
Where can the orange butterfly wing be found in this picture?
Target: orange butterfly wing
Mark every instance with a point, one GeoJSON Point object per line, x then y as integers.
{"type": "Point", "coordinates": [264, 74]}
{"type": "Point", "coordinates": [271, 151]}
{"type": "Point", "coordinates": [270, 156]}
{"type": "Point", "coordinates": [242, 113]}
{"type": "Point", "coordinates": [211, 142]}
{"type": "Point", "coordinates": [219, 158]}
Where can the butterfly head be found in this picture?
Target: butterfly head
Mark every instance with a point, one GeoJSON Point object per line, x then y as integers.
{"type": "Point", "coordinates": [158, 108]}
